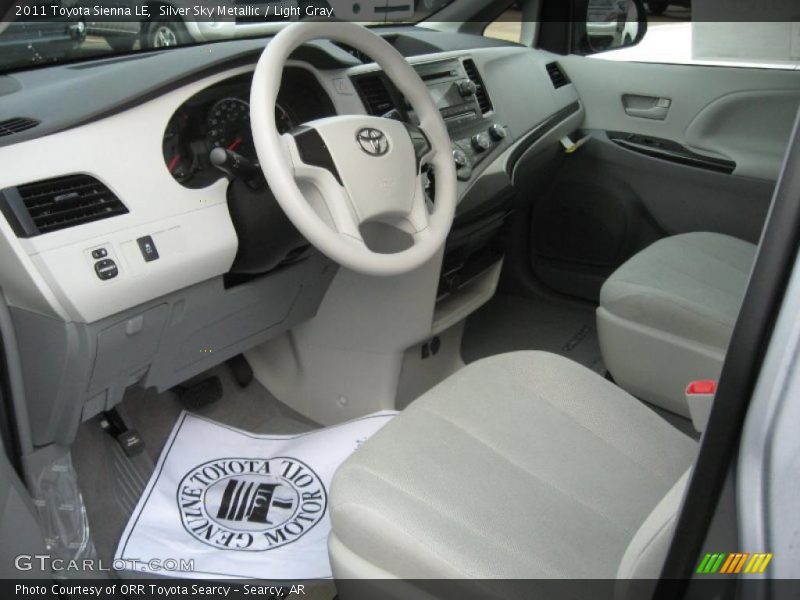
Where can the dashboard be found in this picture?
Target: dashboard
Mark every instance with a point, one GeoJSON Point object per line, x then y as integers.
{"type": "Point", "coordinates": [141, 128]}
{"type": "Point", "coordinates": [140, 262]}
{"type": "Point", "coordinates": [219, 117]}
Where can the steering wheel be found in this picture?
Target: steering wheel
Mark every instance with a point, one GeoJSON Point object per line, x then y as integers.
{"type": "Point", "coordinates": [356, 169]}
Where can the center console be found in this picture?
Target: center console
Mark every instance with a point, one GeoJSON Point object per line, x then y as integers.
{"type": "Point", "coordinates": [463, 100]}
{"type": "Point", "coordinates": [474, 250]}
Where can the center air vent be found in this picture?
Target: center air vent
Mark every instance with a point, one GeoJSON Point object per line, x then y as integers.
{"type": "Point", "coordinates": [12, 126]}
{"type": "Point", "coordinates": [557, 75]}
{"type": "Point", "coordinates": [375, 94]}
{"type": "Point", "coordinates": [355, 53]}
{"type": "Point", "coordinates": [481, 94]}
{"type": "Point", "coordinates": [52, 204]}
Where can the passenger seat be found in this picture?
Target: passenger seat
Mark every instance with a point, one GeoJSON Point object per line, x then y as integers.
{"type": "Point", "coordinates": [522, 465]}
{"type": "Point", "coordinates": [666, 315]}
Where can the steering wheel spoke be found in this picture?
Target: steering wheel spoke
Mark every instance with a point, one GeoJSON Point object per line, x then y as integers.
{"type": "Point", "coordinates": [423, 149]}
{"type": "Point", "coordinates": [312, 163]}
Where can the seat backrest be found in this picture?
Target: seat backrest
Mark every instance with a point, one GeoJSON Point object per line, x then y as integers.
{"type": "Point", "coordinates": [647, 551]}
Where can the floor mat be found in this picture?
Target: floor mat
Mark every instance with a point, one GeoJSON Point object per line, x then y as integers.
{"type": "Point", "coordinates": [238, 504]}
{"type": "Point", "coordinates": [102, 466]}
{"type": "Point", "coordinates": [512, 323]}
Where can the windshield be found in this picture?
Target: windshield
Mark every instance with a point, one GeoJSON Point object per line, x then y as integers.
{"type": "Point", "coordinates": [33, 34]}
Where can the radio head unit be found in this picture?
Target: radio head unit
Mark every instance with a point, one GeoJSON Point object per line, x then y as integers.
{"type": "Point", "coordinates": [452, 90]}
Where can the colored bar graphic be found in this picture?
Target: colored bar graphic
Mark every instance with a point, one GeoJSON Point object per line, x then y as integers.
{"type": "Point", "coordinates": [717, 564]}
{"type": "Point", "coordinates": [703, 563]}
{"type": "Point", "coordinates": [726, 566]}
{"type": "Point", "coordinates": [734, 563]}
{"type": "Point", "coordinates": [763, 566]}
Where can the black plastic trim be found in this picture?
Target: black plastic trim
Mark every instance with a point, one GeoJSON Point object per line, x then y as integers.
{"type": "Point", "coordinates": [420, 141]}
{"type": "Point", "coordinates": [539, 132]}
{"type": "Point", "coordinates": [313, 150]}
{"type": "Point", "coordinates": [13, 208]}
{"type": "Point", "coordinates": [671, 151]}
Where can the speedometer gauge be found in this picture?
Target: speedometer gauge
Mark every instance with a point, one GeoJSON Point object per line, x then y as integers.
{"type": "Point", "coordinates": [229, 126]}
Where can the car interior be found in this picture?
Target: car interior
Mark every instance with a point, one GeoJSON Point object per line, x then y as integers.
{"type": "Point", "coordinates": [524, 249]}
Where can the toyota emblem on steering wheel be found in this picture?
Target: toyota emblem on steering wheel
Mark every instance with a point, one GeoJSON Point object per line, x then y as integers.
{"type": "Point", "coordinates": [373, 141]}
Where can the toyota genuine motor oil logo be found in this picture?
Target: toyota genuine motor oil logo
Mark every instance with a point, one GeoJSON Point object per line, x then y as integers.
{"type": "Point", "coordinates": [251, 504]}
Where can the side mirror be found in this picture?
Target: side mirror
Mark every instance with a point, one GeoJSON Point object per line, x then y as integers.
{"type": "Point", "coordinates": [609, 24]}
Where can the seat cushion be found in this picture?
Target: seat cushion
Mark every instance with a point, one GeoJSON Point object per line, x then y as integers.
{"type": "Point", "coordinates": [523, 465]}
{"type": "Point", "coordinates": [688, 285]}
{"type": "Point", "coordinates": [666, 316]}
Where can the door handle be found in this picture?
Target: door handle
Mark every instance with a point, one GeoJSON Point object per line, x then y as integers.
{"type": "Point", "coordinates": [646, 107]}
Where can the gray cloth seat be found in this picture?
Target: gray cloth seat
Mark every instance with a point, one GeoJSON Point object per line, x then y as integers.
{"type": "Point", "coordinates": [523, 465]}
{"type": "Point", "coordinates": [666, 316]}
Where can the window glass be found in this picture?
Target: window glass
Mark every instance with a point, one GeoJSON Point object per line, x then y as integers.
{"type": "Point", "coordinates": [674, 37]}
{"type": "Point", "coordinates": [508, 26]}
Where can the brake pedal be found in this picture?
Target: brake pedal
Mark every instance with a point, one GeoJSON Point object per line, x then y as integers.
{"type": "Point", "coordinates": [129, 439]}
{"type": "Point", "coordinates": [201, 394]}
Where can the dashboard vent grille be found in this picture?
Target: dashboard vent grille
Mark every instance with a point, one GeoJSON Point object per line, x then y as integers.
{"type": "Point", "coordinates": [557, 75]}
{"type": "Point", "coordinates": [375, 94]}
{"type": "Point", "coordinates": [15, 125]}
{"type": "Point", "coordinates": [481, 94]}
{"type": "Point", "coordinates": [64, 202]}
{"type": "Point", "coordinates": [355, 53]}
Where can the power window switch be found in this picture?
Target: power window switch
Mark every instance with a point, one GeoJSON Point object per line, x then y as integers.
{"type": "Point", "coordinates": [147, 248]}
{"type": "Point", "coordinates": [106, 269]}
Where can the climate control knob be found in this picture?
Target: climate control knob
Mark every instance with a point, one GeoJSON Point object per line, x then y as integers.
{"type": "Point", "coordinates": [481, 142]}
{"type": "Point", "coordinates": [467, 87]}
{"type": "Point", "coordinates": [498, 132]}
{"type": "Point", "coordinates": [460, 158]}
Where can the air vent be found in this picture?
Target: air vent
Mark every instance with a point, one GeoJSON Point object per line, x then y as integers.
{"type": "Point", "coordinates": [375, 94]}
{"type": "Point", "coordinates": [557, 75]}
{"type": "Point", "coordinates": [482, 95]}
{"type": "Point", "coordinates": [60, 203]}
{"type": "Point", "coordinates": [355, 53]}
{"type": "Point", "coordinates": [12, 126]}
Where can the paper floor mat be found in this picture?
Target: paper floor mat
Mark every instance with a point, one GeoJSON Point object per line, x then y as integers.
{"type": "Point", "coordinates": [224, 503]}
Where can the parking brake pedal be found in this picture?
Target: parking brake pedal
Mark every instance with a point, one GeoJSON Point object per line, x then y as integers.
{"type": "Point", "coordinates": [200, 394]}
{"type": "Point", "coordinates": [129, 439]}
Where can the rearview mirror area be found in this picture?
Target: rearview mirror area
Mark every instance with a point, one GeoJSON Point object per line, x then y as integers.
{"type": "Point", "coordinates": [609, 24]}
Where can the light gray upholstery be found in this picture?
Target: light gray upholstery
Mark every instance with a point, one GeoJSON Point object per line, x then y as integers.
{"type": "Point", "coordinates": [523, 465]}
{"type": "Point", "coordinates": [645, 554]}
{"type": "Point", "coordinates": [666, 315]}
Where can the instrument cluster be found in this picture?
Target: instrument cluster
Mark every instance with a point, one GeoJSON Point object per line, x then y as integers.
{"type": "Point", "coordinates": [219, 117]}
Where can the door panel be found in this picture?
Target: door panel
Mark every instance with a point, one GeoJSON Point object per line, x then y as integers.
{"type": "Point", "coordinates": [752, 128]}
{"type": "Point", "coordinates": [730, 111]}
{"type": "Point", "coordinates": [708, 162]}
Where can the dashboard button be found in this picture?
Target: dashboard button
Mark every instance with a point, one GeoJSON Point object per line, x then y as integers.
{"type": "Point", "coordinates": [99, 253]}
{"type": "Point", "coordinates": [106, 269]}
{"type": "Point", "coordinates": [148, 248]}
